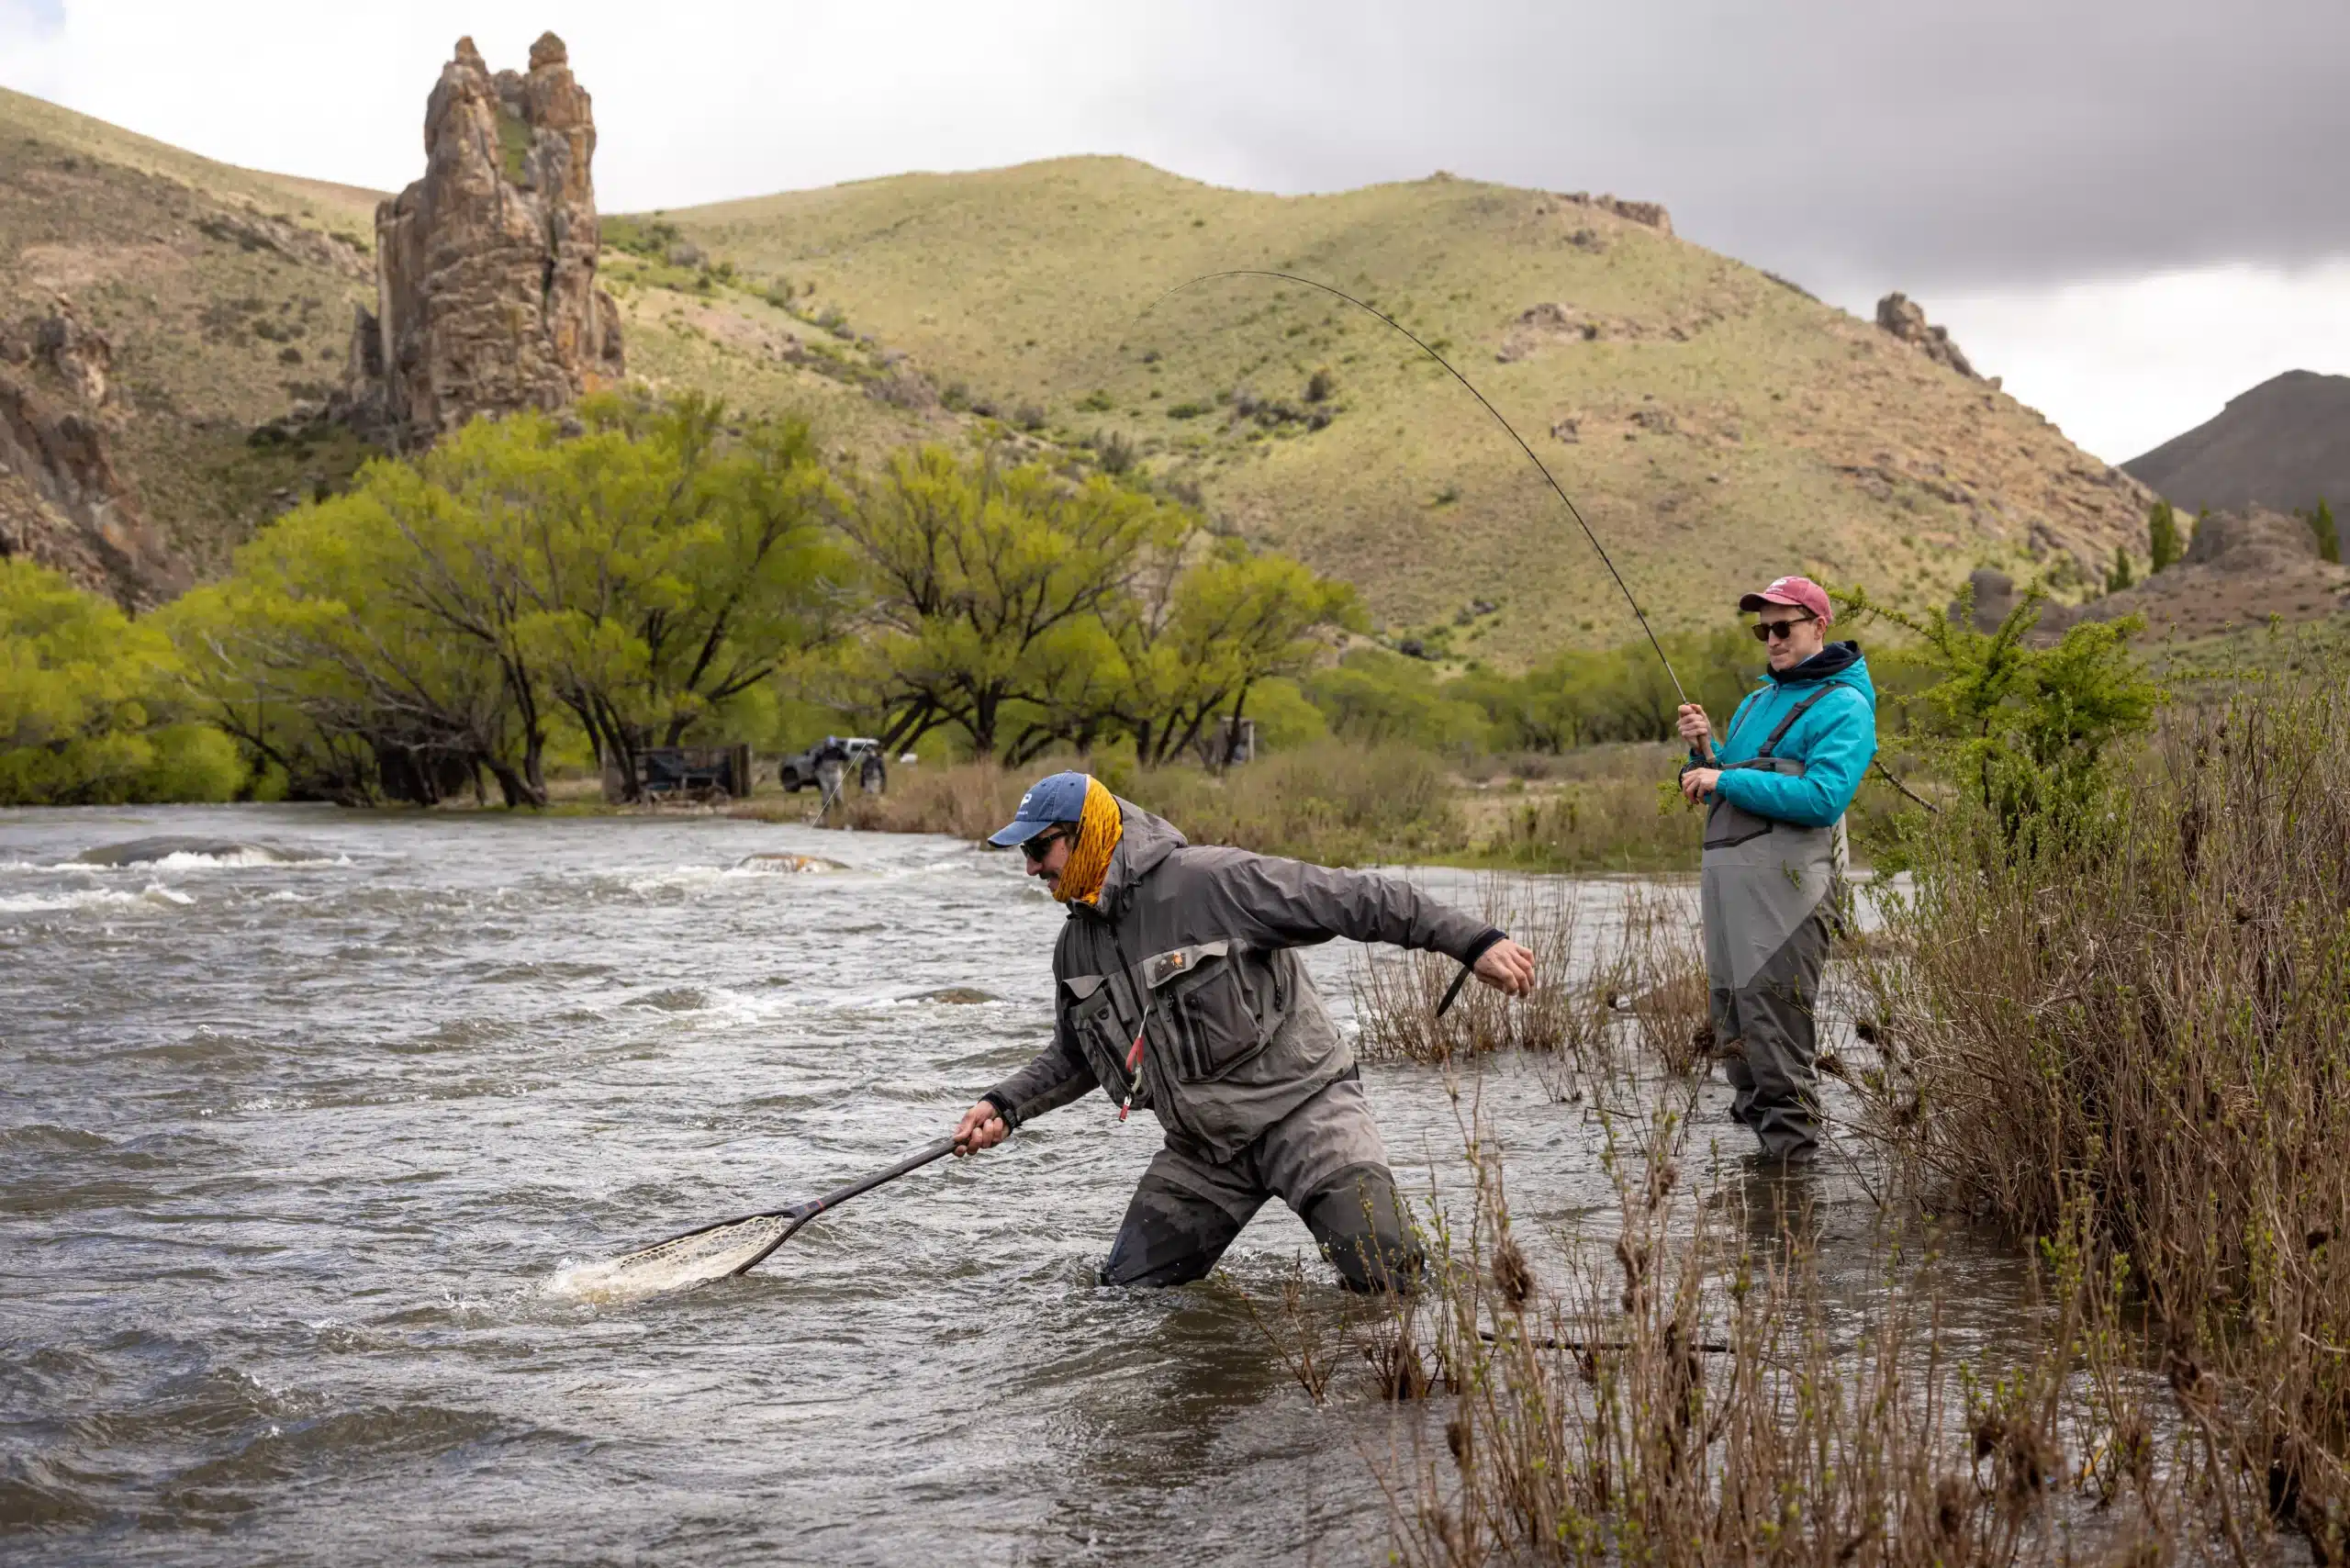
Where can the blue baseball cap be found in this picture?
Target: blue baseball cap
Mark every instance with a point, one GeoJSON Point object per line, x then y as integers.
{"type": "Point", "coordinates": [1059, 799]}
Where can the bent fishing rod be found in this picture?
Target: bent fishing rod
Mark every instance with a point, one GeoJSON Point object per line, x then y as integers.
{"type": "Point", "coordinates": [1705, 747]}
{"type": "Point", "coordinates": [1486, 403]}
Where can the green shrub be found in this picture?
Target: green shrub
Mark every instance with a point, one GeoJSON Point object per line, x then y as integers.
{"type": "Point", "coordinates": [2163, 547]}
{"type": "Point", "coordinates": [87, 704]}
{"type": "Point", "coordinates": [1375, 698]}
{"type": "Point", "coordinates": [2329, 539]}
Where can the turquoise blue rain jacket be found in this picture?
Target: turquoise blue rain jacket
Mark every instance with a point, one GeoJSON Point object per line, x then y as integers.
{"type": "Point", "coordinates": [1835, 740]}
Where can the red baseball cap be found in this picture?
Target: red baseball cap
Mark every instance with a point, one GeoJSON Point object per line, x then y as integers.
{"type": "Point", "coordinates": [1796, 593]}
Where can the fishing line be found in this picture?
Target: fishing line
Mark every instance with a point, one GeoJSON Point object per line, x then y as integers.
{"type": "Point", "coordinates": [1540, 467]}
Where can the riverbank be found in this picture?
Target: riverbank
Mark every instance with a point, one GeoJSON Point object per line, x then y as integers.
{"type": "Point", "coordinates": [1599, 808]}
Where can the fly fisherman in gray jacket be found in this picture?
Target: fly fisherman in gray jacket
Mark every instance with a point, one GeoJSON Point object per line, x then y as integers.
{"type": "Point", "coordinates": [1178, 989]}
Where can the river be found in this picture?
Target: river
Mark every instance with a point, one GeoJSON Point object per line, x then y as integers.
{"type": "Point", "coordinates": [292, 1144]}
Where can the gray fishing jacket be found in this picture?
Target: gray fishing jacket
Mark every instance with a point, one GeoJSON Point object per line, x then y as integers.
{"type": "Point", "coordinates": [1193, 948]}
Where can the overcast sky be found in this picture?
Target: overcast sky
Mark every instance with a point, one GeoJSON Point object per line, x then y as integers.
{"type": "Point", "coordinates": [2132, 209]}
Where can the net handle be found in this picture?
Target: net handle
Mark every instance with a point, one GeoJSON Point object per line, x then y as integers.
{"type": "Point", "coordinates": [805, 1212]}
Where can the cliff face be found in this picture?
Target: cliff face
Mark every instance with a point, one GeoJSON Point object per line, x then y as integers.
{"type": "Point", "coordinates": [61, 501]}
{"type": "Point", "coordinates": [486, 299]}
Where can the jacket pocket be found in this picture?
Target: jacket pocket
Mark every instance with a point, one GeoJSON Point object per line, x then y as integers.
{"type": "Point", "coordinates": [1093, 1018]}
{"type": "Point", "coordinates": [1214, 1021]}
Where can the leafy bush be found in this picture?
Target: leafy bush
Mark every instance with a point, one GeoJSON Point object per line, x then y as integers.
{"type": "Point", "coordinates": [1375, 698]}
{"type": "Point", "coordinates": [2025, 731]}
{"type": "Point", "coordinates": [1113, 453]}
{"type": "Point", "coordinates": [90, 709]}
{"type": "Point", "coordinates": [2163, 547]}
{"type": "Point", "coordinates": [2329, 539]}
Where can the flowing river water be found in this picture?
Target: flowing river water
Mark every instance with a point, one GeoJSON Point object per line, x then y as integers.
{"type": "Point", "coordinates": [294, 1141]}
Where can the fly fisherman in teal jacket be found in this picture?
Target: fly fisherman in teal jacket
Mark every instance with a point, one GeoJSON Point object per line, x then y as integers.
{"type": "Point", "coordinates": [1777, 785]}
{"type": "Point", "coordinates": [1178, 990]}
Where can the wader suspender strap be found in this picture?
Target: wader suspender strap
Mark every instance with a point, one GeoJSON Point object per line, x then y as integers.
{"type": "Point", "coordinates": [1734, 821]}
{"type": "Point", "coordinates": [1789, 722]}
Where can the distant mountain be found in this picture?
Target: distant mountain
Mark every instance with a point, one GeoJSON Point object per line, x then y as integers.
{"type": "Point", "coordinates": [2282, 445]}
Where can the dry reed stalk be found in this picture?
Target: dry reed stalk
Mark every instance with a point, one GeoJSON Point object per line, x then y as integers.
{"type": "Point", "coordinates": [1660, 978]}
{"type": "Point", "coordinates": [1397, 995]}
{"type": "Point", "coordinates": [1801, 1441]}
{"type": "Point", "coordinates": [2150, 1025]}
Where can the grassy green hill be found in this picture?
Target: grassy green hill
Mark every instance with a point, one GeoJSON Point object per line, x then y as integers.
{"type": "Point", "coordinates": [226, 294]}
{"type": "Point", "coordinates": [1717, 425]}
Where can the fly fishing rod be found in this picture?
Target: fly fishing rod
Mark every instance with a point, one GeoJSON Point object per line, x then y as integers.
{"type": "Point", "coordinates": [1706, 748]}
{"type": "Point", "coordinates": [1531, 456]}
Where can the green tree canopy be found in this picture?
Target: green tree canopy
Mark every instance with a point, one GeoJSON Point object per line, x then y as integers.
{"type": "Point", "coordinates": [90, 708]}
{"type": "Point", "coordinates": [1207, 627]}
{"type": "Point", "coordinates": [635, 577]}
{"type": "Point", "coordinates": [987, 592]}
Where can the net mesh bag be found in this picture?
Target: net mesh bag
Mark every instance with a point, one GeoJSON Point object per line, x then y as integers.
{"type": "Point", "coordinates": [671, 1265]}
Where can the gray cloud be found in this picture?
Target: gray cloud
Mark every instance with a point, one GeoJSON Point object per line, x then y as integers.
{"type": "Point", "coordinates": [1988, 144]}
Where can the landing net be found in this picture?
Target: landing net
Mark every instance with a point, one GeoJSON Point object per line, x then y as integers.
{"type": "Point", "coordinates": [671, 1265]}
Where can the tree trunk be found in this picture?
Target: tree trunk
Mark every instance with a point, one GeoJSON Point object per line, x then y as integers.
{"type": "Point", "coordinates": [512, 785]}
{"type": "Point", "coordinates": [1232, 731]}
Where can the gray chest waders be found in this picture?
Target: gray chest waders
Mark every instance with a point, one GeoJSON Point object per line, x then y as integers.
{"type": "Point", "coordinates": [1768, 895]}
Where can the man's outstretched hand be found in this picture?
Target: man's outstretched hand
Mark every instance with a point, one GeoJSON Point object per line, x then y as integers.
{"type": "Point", "coordinates": [982, 1126]}
{"type": "Point", "coordinates": [1507, 967]}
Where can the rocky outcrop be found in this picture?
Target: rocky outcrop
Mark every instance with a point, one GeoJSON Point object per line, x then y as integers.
{"type": "Point", "coordinates": [1648, 213]}
{"type": "Point", "coordinates": [485, 286]}
{"type": "Point", "coordinates": [1905, 319]}
{"type": "Point", "coordinates": [2241, 568]}
{"type": "Point", "coordinates": [63, 503]}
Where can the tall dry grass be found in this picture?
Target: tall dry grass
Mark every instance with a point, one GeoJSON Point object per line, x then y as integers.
{"type": "Point", "coordinates": [1684, 1393]}
{"type": "Point", "coordinates": [2146, 1022]}
{"type": "Point", "coordinates": [1336, 803]}
{"type": "Point", "coordinates": [1674, 1385]}
{"type": "Point", "coordinates": [1606, 982]}
{"type": "Point", "coordinates": [1397, 992]}
{"type": "Point", "coordinates": [1598, 825]}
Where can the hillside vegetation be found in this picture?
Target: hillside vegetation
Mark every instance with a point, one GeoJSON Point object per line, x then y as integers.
{"type": "Point", "coordinates": [227, 296]}
{"type": "Point", "coordinates": [1716, 425]}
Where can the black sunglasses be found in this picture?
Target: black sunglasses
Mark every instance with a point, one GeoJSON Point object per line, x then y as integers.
{"type": "Point", "coordinates": [1042, 844]}
{"type": "Point", "coordinates": [1766, 630]}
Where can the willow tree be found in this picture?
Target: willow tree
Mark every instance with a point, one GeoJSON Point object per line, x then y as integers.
{"type": "Point", "coordinates": [661, 564]}
{"type": "Point", "coordinates": [1209, 626]}
{"type": "Point", "coordinates": [988, 589]}
{"type": "Point", "coordinates": [340, 650]}
{"type": "Point", "coordinates": [90, 709]}
{"type": "Point", "coordinates": [638, 574]}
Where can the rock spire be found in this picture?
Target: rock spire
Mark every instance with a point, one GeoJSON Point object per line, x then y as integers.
{"type": "Point", "coordinates": [485, 286]}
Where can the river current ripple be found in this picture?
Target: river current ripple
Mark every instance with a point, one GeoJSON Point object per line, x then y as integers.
{"type": "Point", "coordinates": [291, 1145]}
